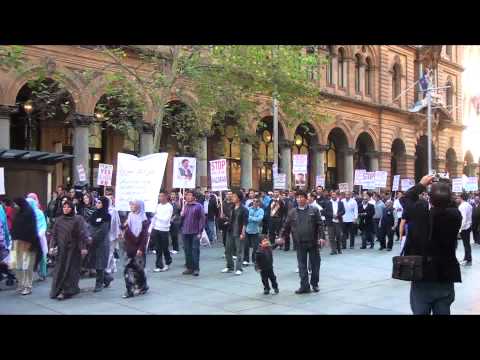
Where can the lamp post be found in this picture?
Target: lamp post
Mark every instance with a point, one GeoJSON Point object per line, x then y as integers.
{"type": "Point", "coordinates": [28, 107]}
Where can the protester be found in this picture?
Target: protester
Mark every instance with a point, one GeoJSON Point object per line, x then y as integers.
{"type": "Point", "coordinates": [379, 207]}
{"type": "Point", "coordinates": [41, 231]}
{"type": "Point", "coordinates": [224, 218]}
{"type": "Point", "coordinates": [432, 234]}
{"type": "Point", "coordinates": [277, 213]}
{"type": "Point", "coordinates": [255, 217]}
{"type": "Point", "coordinates": [212, 212]}
{"type": "Point", "coordinates": [136, 236]}
{"type": "Point", "coordinates": [305, 225]}
{"type": "Point", "coordinates": [100, 225]}
{"type": "Point", "coordinates": [349, 219]}
{"type": "Point", "coordinates": [51, 208]}
{"type": "Point", "coordinates": [86, 208]}
{"type": "Point", "coordinates": [476, 219]}
{"type": "Point", "coordinates": [175, 223]}
{"type": "Point", "coordinates": [399, 212]}
{"type": "Point", "coordinates": [192, 228]}
{"type": "Point", "coordinates": [113, 235]}
{"type": "Point", "coordinates": [236, 235]}
{"type": "Point", "coordinates": [465, 230]}
{"type": "Point", "coordinates": [386, 228]}
{"type": "Point", "coordinates": [159, 230]}
{"type": "Point", "coordinates": [27, 245]}
{"type": "Point", "coordinates": [5, 227]}
{"type": "Point", "coordinates": [366, 211]}
{"type": "Point", "coordinates": [264, 263]}
{"type": "Point", "coordinates": [334, 211]}
{"type": "Point", "coordinates": [69, 244]}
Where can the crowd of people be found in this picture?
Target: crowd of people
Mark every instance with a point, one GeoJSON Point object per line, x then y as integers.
{"type": "Point", "coordinates": [80, 233]}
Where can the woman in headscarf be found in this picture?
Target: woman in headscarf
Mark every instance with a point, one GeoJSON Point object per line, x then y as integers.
{"type": "Point", "coordinates": [99, 226]}
{"type": "Point", "coordinates": [41, 230]}
{"type": "Point", "coordinates": [114, 234]}
{"type": "Point", "coordinates": [37, 200]}
{"type": "Point", "coordinates": [27, 245]}
{"type": "Point", "coordinates": [69, 242]}
{"type": "Point", "coordinates": [136, 237]}
{"type": "Point", "coordinates": [85, 208]}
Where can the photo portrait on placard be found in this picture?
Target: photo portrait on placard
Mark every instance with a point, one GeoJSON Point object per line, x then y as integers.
{"type": "Point", "coordinates": [184, 172]}
{"type": "Point", "coordinates": [300, 180]}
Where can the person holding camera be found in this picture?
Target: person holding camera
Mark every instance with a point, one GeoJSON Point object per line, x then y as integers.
{"type": "Point", "coordinates": [432, 234]}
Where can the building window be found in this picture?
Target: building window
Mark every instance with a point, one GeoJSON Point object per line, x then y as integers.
{"type": "Point", "coordinates": [311, 71]}
{"type": "Point", "coordinates": [232, 154]}
{"type": "Point", "coordinates": [329, 68]}
{"type": "Point", "coordinates": [396, 85]}
{"type": "Point", "coordinates": [358, 61]}
{"type": "Point", "coordinates": [448, 50]}
{"type": "Point", "coordinates": [341, 68]}
{"type": "Point", "coordinates": [368, 76]}
{"type": "Point", "coordinates": [331, 165]}
{"type": "Point", "coordinates": [449, 96]}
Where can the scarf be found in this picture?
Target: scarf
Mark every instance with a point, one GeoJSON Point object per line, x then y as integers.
{"type": "Point", "coordinates": [100, 215]}
{"type": "Point", "coordinates": [135, 219]}
{"type": "Point", "coordinates": [40, 217]}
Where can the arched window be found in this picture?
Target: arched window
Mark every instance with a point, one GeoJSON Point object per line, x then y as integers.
{"type": "Point", "coordinates": [396, 85]}
{"type": "Point", "coordinates": [331, 164]}
{"type": "Point", "coordinates": [358, 61]}
{"type": "Point", "coordinates": [368, 76]}
{"type": "Point", "coordinates": [449, 95]}
{"type": "Point", "coordinates": [329, 68]}
{"type": "Point", "coordinates": [341, 68]}
{"type": "Point", "coordinates": [448, 50]}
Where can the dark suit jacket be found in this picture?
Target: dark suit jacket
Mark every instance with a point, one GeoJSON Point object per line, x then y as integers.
{"type": "Point", "coordinates": [328, 211]}
{"type": "Point", "coordinates": [366, 217]}
{"type": "Point", "coordinates": [476, 218]}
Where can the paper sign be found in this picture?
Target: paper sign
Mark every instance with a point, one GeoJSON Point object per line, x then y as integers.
{"type": "Point", "coordinates": [471, 184]}
{"type": "Point", "coordinates": [369, 180]}
{"type": "Point", "coordinates": [139, 179]}
{"type": "Point", "coordinates": [104, 176]}
{"type": "Point", "coordinates": [280, 182]}
{"type": "Point", "coordinates": [300, 164]}
{"type": "Point", "coordinates": [406, 184]}
{"type": "Point", "coordinates": [381, 179]}
{"type": "Point", "coordinates": [184, 172]}
{"type": "Point", "coordinates": [218, 175]}
{"type": "Point", "coordinates": [396, 183]}
{"type": "Point", "coordinates": [82, 175]}
{"type": "Point", "coordinates": [2, 181]}
{"type": "Point", "coordinates": [359, 177]}
{"type": "Point", "coordinates": [320, 181]}
{"type": "Point", "coordinates": [343, 187]}
{"type": "Point", "coordinates": [274, 169]}
{"type": "Point", "coordinates": [457, 185]}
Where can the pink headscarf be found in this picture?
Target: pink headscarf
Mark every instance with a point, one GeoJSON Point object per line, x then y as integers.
{"type": "Point", "coordinates": [35, 197]}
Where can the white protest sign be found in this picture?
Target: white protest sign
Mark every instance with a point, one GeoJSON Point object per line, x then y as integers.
{"type": "Point", "coordinates": [300, 164]}
{"type": "Point", "coordinates": [82, 175]}
{"type": "Point", "coordinates": [369, 180]}
{"type": "Point", "coordinates": [218, 175]}
{"type": "Point", "coordinates": [396, 183]}
{"type": "Point", "coordinates": [457, 185]}
{"type": "Point", "coordinates": [359, 177]}
{"type": "Point", "coordinates": [406, 184]}
{"type": "Point", "coordinates": [471, 184]}
{"type": "Point", "coordinates": [139, 179]}
{"type": "Point", "coordinates": [2, 181]}
{"type": "Point", "coordinates": [320, 180]}
{"type": "Point", "coordinates": [104, 176]}
{"type": "Point", "coordinates": [381, 179]}
{"type": "Point", "coordinates": [184, 172]}
{"type": "Point", "coordinates": [343, 187]}
{"type": "Point", "coordinates": [274, 169]}
{"type": "Point", "coordinates": [280, 182]}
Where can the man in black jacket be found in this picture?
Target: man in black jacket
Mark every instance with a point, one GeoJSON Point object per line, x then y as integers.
{"type": "Point", "coordinates": [305, 224]}
{"type": "Point", "coordinates": [366, 211]}
{"type": "Point", "coordinates": [334, 209]}
{"type": "Point", "coordinates": [277, 213]}
{"type": "Point", "coordinates": [432, 234]}
{"type": "Point", "coordinates": [476, 219]}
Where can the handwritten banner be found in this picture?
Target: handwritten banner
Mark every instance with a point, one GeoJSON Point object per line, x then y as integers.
{"type": "Point", "coordinates": [406, 184]}
{"type": "Point", "coordinates": [82, 175]}
{"type": "Point", "coordinates": [343, 187]}
{"type": "Point", "coordinates": [471, 184]}
{"type": "Point", "coordinates": [381, 179]}
{"type": "Point", "coordinates": [104, 176]}
{"type": "Point", "coordinates": [280, 182]}
{"type": "Point", "coordinates": [320, 181]}
{"type": "Point", "coordinates": [300, 164]}
{"type": "Point", "coordinates": [218, 175]}
{"type": "Point", "coordinates": [457, 185]}
{"type": "Point", "coordinates": [396, 183]}
{"type": "Point", "coordinates": [359, 174]}
{"type": "Point", "coordinates": [369, 180]}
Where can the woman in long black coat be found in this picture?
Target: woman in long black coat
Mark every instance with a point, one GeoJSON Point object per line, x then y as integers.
{"type": "Point", "coordinates": [99, 231]}
{"type": "Point", "coordinates": [69, 242]}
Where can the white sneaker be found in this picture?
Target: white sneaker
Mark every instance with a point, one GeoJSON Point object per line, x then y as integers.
{"type": "Point", "coordinates": [154, 252]}
{"type": "Point", "coordinates": [173, 252]}
{"type": "Point", "coordinates": [227, 270]}
{"type": "Point", "coordinates": [297, 271]}
{"type": "Point", "coordinates": [238, 272]}
{"type": "Point", "coordinates": [309, 271]}
{"type": "Point", "coordinates": [234, 257]}
{"type": "Point", "coordinates": [157, 270]}
{"type": "Point", "coordinates": [246, 263]}
{"type": "Point", "coordinates": [165, 268]}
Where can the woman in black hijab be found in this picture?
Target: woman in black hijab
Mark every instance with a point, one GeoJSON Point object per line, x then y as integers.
{"type": "Point", "coordinates": [27, 245]}
{"type": "Point", "coordinates": [100, 226]}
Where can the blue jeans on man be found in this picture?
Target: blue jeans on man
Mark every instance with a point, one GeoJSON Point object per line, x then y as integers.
{"type": "Point", "coordinates": [211, 230]}
{"type": "Point", "coordinates": [434, 298]}
{"type": "Point", "coordinates": [191, 244]}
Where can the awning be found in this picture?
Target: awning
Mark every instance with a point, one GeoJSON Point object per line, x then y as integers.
{"type": "Point", "coordinates": [41, 157]}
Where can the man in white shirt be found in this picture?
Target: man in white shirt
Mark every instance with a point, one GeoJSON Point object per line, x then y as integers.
{"type": "Point", "coordinates": [466, 210]}
{"type": "Point", "coordinates": [349, 220]}
{"type": "Point", "coordinates": [399, 212]}
{"type": "Point", "coordinates": [159, 230]}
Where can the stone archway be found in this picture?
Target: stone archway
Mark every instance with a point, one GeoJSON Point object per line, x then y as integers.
{"type": "Point", "coordinates": [339, 159]}
{"type": "Point", "coordinates": [304, 142]}
{"type": "Point", "coordinates": [451, 163]}
{"type": "Point", "coordinates": [365, 156]}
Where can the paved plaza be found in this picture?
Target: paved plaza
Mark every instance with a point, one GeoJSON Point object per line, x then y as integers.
{"type": "Point", "coordinates": [357, 282]}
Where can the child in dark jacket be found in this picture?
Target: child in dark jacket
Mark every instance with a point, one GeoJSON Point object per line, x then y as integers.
{"type": "Point", "coordinates": [387, 225]}
{"type": "Point", "coordinates": [264, 263]}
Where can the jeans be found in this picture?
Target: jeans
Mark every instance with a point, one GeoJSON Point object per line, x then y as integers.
{"type": "Point", "coordinates": [367, 237]}
{"type": "Point", "coordinates": [160, 239]}
{"type": "Point", "coordinates": [211, 230]}
{"type": "Point", "coordinates": [268, 275]}
{"type": "Point", "coordinates": [335, 236]}
{"type": "Point", "coordinates": [251, 241]}
{"type": "Point", "coordinates": [274, 229]}
{"type": "Point", "coordinates": [234, 246]}
{"type": "Point", "coordinates": [309, 254]}
{"type": "Point", "coordinates": [465, 235]}
{"type": "Point", "coordinates": [191, 244]}
{"type": "Point", "coordinates": [174, 234]}
{"type": "Point", "coordinates": [349, 230]}
{"type": "Point", "coordinates": [431, 297]}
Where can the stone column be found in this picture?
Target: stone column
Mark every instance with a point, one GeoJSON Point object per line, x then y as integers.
{"type": "Point", "coordinates": [81, 124]}
{"type": "Point", "coordinates": [319, 153]}
{"type": "Point", "coordinates": [146, 139]}
{"type": "Point", "coordinates": [285, 164]}
{"type": "Point", "coordinates": [373, 157]}
{"type": "Point", "coordinates": [362, 79]}
{"type": "Point", "coordinates": [202, 164]}
{"type": "Point", "coordinates": [246, 162]}
{"type": "Point", "coordinates": [5, 111]}
{"type": "Point", "coordinates": [348, 175]}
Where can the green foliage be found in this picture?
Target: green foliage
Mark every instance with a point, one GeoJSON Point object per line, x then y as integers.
{"type": "Point", "coordinates": [11, 57]}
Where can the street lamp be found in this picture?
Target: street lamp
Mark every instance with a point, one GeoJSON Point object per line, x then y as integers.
{"type": "Point", "coordinates": [28, 107]}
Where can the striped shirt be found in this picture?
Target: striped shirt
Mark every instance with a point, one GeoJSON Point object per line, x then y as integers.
{"type": "Point", "coordinates": [193, 219]}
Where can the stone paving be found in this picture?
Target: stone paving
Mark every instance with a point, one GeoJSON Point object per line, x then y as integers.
{"type": "Point", "coordinates": [356, 282]}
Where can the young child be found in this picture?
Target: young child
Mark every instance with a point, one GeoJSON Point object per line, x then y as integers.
{"type": "Point", "coordinates": [264, 263]}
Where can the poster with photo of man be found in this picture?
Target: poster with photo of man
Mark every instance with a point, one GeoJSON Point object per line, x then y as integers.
{"type": "Point", "coordinates": [300, 180]}
{"type": "Point", "coordinates": [184, 172]}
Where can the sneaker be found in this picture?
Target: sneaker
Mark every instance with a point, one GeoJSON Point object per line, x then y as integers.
{"type": "Point", "coordinates": [234, 257]}
{"type": "Point", "coordinates": [196, 273]}
{"type": "Point", "coordinates": [333, 253]}
{"type": "Point", "coordinates": [238, 272]}
{"type": "Point", "coordinates": [227, 270]}
{"type": "Point", "coordinates": [309, 271]}
{"type": "Point", "coordinates": [157, 270]}
{"type": "Point", "coordinates": [127, 295]}
{"type": "Point", "coordinates": [276, 290]}
{"type": "Point", "coordinates": [266, 292]}
{"type": "Point", "coordinates": [297, 271]}
{"type": "Point", "coordinates": [187, 272]}
{"type": "Point", "coordinates": [165, 268]}
{"type": "Point", "coordinates": [303, 291]}
{"type": "Point", "coordinates": [246, 263]}
{"type": "Point", "coordinates": [173, 252]}
{"type": "Point", "coordinates": [154, 252]}
{"type": "Point", "coordinates": [26, 291]}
